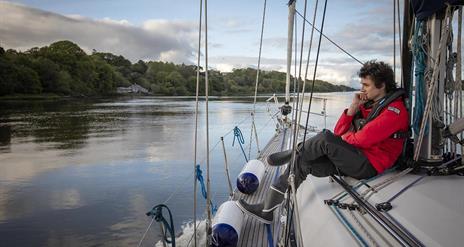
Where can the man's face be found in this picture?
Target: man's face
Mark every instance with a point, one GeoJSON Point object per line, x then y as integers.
{"type": "Point", "coordinates": [372, 92]}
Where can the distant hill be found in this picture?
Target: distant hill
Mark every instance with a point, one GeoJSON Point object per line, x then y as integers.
{"type": "Point", "coordinates": [63, 68]}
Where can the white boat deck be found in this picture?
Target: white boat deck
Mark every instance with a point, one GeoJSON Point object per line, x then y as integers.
{"type": "Point", "coordinates": [255, 233]}
{"type": "Point", "coordinates": [432, 210]}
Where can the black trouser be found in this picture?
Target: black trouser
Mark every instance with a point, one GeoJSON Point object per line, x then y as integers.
{"type": "Point", "coordinates": [326, 154]}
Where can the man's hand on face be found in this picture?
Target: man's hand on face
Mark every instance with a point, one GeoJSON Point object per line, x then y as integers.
{"type": "Point", "coordinates": [358, 99]}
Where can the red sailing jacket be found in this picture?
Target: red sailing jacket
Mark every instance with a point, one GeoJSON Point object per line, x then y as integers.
{"type": "Point", "coordinates": [374, 139]}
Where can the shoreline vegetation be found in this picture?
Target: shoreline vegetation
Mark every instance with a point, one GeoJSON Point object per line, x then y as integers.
{"type": "Point", "coordinates": [63, 70]}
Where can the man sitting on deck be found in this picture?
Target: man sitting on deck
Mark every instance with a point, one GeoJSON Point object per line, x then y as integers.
{"type": "Point", "coordinates": [368, 139]}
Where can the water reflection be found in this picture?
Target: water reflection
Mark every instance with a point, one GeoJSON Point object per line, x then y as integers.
{"type": "Point", "coordinates": [5, 137]}
{"type": "Point", "coordinates": [85, 172]}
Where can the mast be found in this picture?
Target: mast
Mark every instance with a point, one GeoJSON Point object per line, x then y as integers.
{"type": "Point", "coordinates": [406, 53]}
{"type": "Point", "coordinates": [286, 109]}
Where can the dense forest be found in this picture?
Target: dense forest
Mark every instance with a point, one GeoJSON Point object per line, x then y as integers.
{"type": "Point", "coordinates": [63, 68]}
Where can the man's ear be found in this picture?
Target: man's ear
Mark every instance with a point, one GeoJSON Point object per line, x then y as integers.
{"type": "Point", "coordinates": [383, 87]}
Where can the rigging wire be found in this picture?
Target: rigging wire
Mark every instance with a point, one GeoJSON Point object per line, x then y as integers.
{"type": "Point", "coordinates": [208, 182]}
{"type": "Point", "coordinates": [315, 71]}
{"type": "Point", "coordinates": [302, 41]}
{"type": "Point", "coordinates": [299, 103]}
{"type": "Point", "coordinates": [297, 126]}
{"type": "Point", "coordinates": [292, 163]}
{"type": "Point", "coordinates": [300, 106]}
{"type": "Point", "coordinates": [196, 127]}
{"type": "Point", "coordinates": [400, 42]}
{"type": "Point", "coordinates": [394, 39]}
{"type": "Point", "coordinates": [295, 83]}
{"type": "Point", "coordinates": [330, 40]}
{"type": "Point", "coordinates": [257, 80]}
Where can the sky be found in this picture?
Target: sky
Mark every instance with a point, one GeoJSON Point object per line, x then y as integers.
{"type": "Point", "coordinates": [167, 30]}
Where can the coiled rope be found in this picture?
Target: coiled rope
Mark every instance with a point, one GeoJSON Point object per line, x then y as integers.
{"type": "Point", "coordinates": [157, 214]}
{"type": "Point", "coordinates": [239, 137]}
{"type": "Point", "coordinates": [201, 180]}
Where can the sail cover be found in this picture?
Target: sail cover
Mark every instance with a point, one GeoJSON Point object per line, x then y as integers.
{"type": "Point", "coordinates": [425, 8]}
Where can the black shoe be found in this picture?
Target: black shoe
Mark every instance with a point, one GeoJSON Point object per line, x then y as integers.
{"type": "Point", "coordinates": [280, 158]}
{"type": "Point", "coordinates": [256, 211]}
{"type": "Point", "coordinates": [264, 211]}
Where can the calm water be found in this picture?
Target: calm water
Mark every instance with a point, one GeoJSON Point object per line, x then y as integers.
{"type": "Point", "coordinates": [84, 173]}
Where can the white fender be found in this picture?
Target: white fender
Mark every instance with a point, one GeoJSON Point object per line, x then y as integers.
{"type": "Point", "coordinates": [227, 224]}
{"type": "Point", "coordinates": [251, 176]}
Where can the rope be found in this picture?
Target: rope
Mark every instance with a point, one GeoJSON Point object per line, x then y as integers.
{"type": "Point", "coordinates": [165, 202]}
{"type": "Point", "coordinates": [405, 188]}
{"type": "Point", "coordinates": [348, 226]}
{"type": "Point", "coordinates": [157, 214]}
{"type": "Point", "coordinates": [432, 87]}
{"type": "Point", "coordinates": [375, 230]}
{"type": "Point", "coordinates": [375, 188]}
{"type": "Point", "coordinates": [363, 229]}
{"type": "Point", "coordinates": [239, 137]}
{"type": "Point", "coordinates": [270, 241]}
{"type": "Point", "coordinates": [419, 71]}
{"type": "Point", "coordinates": [196, 126]}
{"type": "Point", "coordinates": [200, 179]}
{"type": "Point", "coordinates": [241, 122]}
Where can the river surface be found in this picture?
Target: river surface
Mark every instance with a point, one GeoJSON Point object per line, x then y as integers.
{"type": "Point", "coordinates": [85, 172]}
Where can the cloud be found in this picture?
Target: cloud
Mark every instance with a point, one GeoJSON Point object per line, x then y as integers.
{"type": "Point", "coordinates": [227, 63]}
{"type": "Point", "coordinates": [337, 70]}
{"type": "Point", "coordinates": [236, 24]}
{"type": "Point", "coordinates": [22, 27]}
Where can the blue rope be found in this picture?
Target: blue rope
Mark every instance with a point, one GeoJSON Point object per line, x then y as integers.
{"type": "Point", "coordinates": [270, 241]}
{"type": "Point", "coordinates": [419, 72]}
{"type": "Point", "coordinates": [238, 135]}
{"type": "Point", "coordinates": [157, 213]}
{"type": "Point", "coordinates": [405, 188]}
{"type": "Point", "coordinates": [349, 226]}
{"type": "Point", "coordinates": [203, 188]}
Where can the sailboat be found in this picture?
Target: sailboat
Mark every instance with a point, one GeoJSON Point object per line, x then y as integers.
{"type": "Point", "coordinates": [419, 202]}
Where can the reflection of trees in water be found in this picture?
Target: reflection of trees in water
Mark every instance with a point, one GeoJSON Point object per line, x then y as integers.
{"type": "Point", "coordinates": [64, 124]}
{"type": "Point", "coordinates": [68, 124]}
{"type": "Point", "coordinates": [5, 135]}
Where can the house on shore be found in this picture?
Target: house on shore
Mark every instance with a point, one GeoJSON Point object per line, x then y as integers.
{"type": "Point", "coordinates": [134, 88]}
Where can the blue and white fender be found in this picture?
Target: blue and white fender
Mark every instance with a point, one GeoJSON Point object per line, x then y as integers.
{"type": "Point", "coordinates": [252, 174]}
{"type": "Point", "coordinates": [227, 225]}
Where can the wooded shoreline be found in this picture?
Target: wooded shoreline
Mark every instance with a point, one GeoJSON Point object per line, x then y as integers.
{"type": "Point", "coordinates": [64, 69]}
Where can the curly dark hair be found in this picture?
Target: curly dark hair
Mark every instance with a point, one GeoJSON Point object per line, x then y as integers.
{"type": "Point", "coordinates": [380, 73]}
